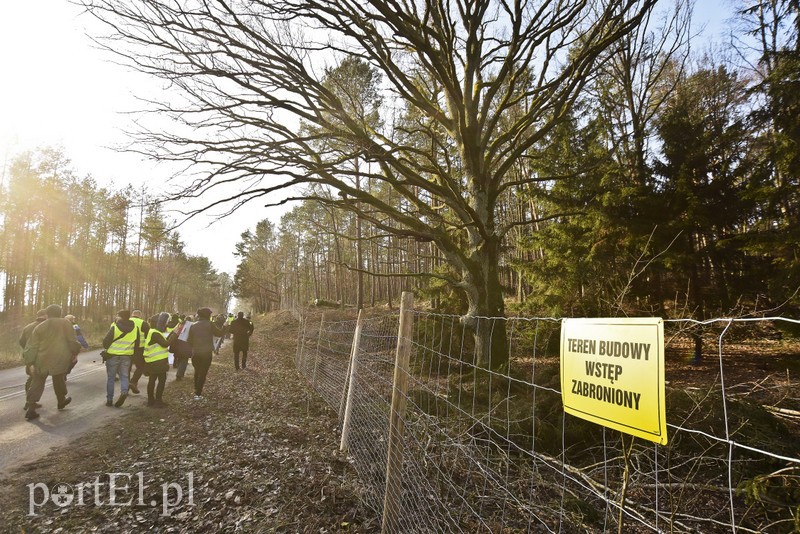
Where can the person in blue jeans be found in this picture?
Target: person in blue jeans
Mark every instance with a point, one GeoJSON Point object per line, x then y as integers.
{"type": "Point", "coordinates": [120, 343]}
{"type": "Point", "coordinates": [117, 366]}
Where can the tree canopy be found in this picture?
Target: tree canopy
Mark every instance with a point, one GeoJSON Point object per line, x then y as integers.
{"type": "Point", "coordinates": [474, 84]}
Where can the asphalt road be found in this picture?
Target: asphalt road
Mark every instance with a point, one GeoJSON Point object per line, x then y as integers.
{"type": "Point", "coordinates": [24, 441]}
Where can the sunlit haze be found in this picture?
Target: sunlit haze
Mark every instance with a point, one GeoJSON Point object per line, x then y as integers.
{"type": "Point", "coordinates": [60, 90]}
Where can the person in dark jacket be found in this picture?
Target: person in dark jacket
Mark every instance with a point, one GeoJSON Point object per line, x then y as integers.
{"type": "Point", "coordinates": [120, 343]}
{"type": "Point", "coordinates": [201, 339]}
{"type": "Point", "coordinates": [41, 315]}
{"type": "Point", "coordinates": [241, 329]}
{"type": "Point", "coordinates": [50, 350]}
{"type": "Point", "coordinates": [219, 320]}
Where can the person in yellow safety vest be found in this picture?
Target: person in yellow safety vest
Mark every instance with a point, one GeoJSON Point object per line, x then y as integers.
{"type": "Point", "coordinates": [138, 356]}
{"type": "Point", "coordinates": [156, 358]}
{"type": "Point", "coordinates": [120, 343]}
{"type": "Point", "coordinates": [228, 322]}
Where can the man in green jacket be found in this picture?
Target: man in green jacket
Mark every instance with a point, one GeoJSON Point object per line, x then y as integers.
{"type": "Point", "coordinates": [41, 316]}
{"type": "Point", "coordinates": [50, 350]}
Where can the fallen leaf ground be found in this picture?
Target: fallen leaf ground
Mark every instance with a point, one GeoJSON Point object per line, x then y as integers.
{"type": "Point", "coordinates": [260, 451]}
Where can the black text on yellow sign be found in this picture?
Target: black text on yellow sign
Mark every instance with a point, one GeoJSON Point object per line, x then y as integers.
{"type": "Point", "coordinates": [612, 373]}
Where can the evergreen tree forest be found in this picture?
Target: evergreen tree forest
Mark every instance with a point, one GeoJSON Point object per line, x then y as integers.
{"type": "Point", "coordinates": [93, 250]}
{"type": "Point", "coordinates": [669, 187]}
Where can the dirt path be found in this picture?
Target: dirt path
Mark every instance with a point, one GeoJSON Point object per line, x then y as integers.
{"type": "Point", "coordinates": [259, 454]}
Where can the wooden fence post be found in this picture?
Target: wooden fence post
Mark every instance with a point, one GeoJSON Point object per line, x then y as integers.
{"type": "Point", "coordinates": [316, 356]}
{"type": "Point", "coordinates": [394, 464]}
{"type": "Point", "coordinates": [346, 404]}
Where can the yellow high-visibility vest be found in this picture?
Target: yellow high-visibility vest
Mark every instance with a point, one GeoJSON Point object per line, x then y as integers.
{"type": "Point", "coordinates": [123, 344]}
{"type": "Point", "coordinates": [153, 351]}
{"type": "Point", "coordinates": [138, 321]}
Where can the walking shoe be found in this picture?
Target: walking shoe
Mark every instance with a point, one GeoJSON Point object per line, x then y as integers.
{"type": "Point", "coordinates": [121, 400]}
{"type": "Point", "coordinates": [198, 397]}
{"type": "Point", "coordinates": [31, 415]}
{"type": "Point", "coordinates": [63, 403]}
{"type": "Point", "coordinates": [160, 404]}
{"type": "Point", "coordinates": [151, 402]}
{"type": "Point", "coordinates": [35, 405]}
{"type": "Point", "coordinates": [133, 388]}
{"type": "Point", "coordinates": [109, 402]}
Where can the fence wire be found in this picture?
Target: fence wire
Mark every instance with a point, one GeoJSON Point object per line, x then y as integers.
{"type": "Point", "coordinates": [488, 451]}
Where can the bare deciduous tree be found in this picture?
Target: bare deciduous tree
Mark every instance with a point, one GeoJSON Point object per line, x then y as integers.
{"type": "Point", "coordinates": [252, 71]}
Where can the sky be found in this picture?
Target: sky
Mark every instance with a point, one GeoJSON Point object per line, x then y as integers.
{"type": "Point", "coordinates": [57, 89]}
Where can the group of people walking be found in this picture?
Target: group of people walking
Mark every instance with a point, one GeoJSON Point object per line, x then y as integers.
{"type": "Point", "coordinates": [133, 347]}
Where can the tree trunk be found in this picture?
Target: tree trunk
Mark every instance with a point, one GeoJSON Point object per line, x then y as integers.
{"type": "Point", "coordinates": [485, 300]}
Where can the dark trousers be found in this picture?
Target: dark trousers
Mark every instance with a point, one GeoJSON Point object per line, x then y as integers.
{"type": "Point", "coordinates": [37, 387]}
{"type": "Point", "coordinates": [28, 381]}
{"type": "Point", "coordinates": [138, 362]}
{"type": "Point", "coordinates": [181, 362]}
{"type": "Point", "coordinates": [137, 374]}
{"type": "Point", "coordinates": [240, 345]}
{"type": "Point", "coordinates": [201, 363]}
{"type": "Point", "coordinates": [236, 358]}
{"type": "Point", "coordinates": [155, 392]}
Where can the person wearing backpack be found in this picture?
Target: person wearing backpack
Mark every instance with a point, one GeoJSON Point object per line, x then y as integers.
{"type": "Point", "coordinates": [50, 350]}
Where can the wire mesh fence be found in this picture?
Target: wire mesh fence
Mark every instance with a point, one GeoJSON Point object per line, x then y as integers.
{"type": "Point", "coordinates": [489, 451]}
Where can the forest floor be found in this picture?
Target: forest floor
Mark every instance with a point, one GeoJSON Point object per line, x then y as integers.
{"type": "Point", "coordinates": [258, 454]}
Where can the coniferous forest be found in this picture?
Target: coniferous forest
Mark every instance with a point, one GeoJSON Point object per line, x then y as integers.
{"type": "Point", "coordinates": [92, 249]}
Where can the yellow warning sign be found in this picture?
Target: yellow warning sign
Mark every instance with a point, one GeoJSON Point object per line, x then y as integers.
{"type": "Point", "coordinates": [612, 373]}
